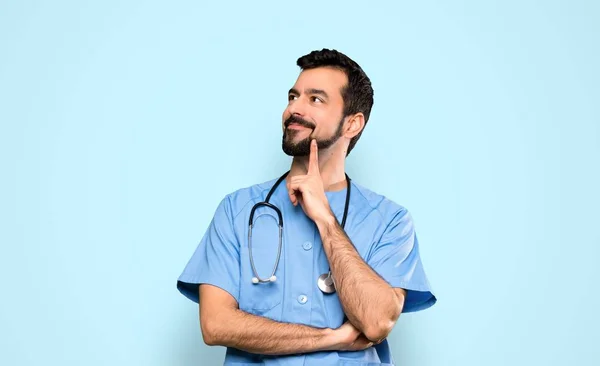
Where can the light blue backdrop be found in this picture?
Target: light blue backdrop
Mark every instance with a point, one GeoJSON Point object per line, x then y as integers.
{"type": "Point", "coordinates": [123, 123]}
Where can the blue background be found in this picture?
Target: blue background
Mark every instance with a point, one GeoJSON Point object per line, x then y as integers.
{"type": "Point", "coordinates": [123, 124]}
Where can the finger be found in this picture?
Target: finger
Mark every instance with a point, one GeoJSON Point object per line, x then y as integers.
{"type": "Point", "coordinates": [313, 162]}
{"type": "Point", "coordinates": [291, 193]}
{"type": "Point", "coordinates": [370, 344]}
{"type": "Point", "coordinates": [299, 189]}
{"type": "Point", "coordinates": [295, 192]}
{"type": "Point", "coordinates": [362, 342]}
{"type": "Point", "coordinates": [298, 179]}
{"type": "Point", "coordinates": [293, 196]}
{"type": "Point", "coordinates": [298, 186]}
{"type": "Point", "coordinates": [360, 345]}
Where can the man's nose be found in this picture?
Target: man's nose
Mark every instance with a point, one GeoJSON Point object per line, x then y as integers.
{"type": "Point", "coordinates": [297, 107]}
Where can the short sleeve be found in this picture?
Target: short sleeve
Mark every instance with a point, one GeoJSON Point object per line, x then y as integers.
{"type": "Point", "coordinates": [216, 260]}
{"type": "Point", "coordinates": [396, 259]}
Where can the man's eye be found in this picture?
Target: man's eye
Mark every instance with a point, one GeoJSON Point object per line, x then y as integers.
{"type": "Point", "coordinates": [291, 97]}
{"type": "Point", "coordinates": [317, 99]}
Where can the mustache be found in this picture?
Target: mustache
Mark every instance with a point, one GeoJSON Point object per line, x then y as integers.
{"type": "Point", "coordinates": [300, 121]}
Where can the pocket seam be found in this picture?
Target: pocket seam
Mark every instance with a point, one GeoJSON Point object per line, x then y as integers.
{"type": "Point", "coordinates": [265, 307]}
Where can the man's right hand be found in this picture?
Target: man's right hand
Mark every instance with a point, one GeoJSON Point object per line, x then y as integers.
{"type": "Point", "coordinates": [349, 338]}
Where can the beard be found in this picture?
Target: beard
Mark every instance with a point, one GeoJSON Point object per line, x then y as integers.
{"type": "Point", "coordinates": [302, 147]}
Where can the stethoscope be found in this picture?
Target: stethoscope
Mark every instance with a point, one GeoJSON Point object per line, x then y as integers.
{"type": "Point", "coordinates": [325, 281]}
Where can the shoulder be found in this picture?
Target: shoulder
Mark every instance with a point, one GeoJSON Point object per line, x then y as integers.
{"type": "Point", "coordinates": [379, 204]}
{"type": "Point", "coordinates": [236, 201]}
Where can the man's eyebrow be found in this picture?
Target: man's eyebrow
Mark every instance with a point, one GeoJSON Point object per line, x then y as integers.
{"type": "Point", "coordinates": [318, 92]}
{"type": "Point", "coordinates": [310, 91]}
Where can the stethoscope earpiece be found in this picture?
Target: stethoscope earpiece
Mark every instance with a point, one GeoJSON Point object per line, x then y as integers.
{"type": "Point", "coordinates": [255, 280]}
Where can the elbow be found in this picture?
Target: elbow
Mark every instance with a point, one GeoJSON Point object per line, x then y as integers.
{"type": "Point", "coordinates": [209, 339]}
{"type": "Point", "coordinates": [382, 327]}
{"type": "Point", "coordinates": [379, 331]}
{"type": "Point", "coordinates": [210, 331]}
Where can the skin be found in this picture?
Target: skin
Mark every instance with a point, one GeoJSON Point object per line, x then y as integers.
{"type": "Point", "coordinates": [370, 304]}
{"type": "Point", "coordinates": [224, 324]}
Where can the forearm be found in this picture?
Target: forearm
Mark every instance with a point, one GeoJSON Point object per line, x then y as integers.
{"type": "Point", "coordinates": [369, 302]}
{"type": "Point", "coordinates": [238, 329]}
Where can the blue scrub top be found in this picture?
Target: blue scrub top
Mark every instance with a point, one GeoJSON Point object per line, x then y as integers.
{"type": "Point", "coordinates": [381, 231]}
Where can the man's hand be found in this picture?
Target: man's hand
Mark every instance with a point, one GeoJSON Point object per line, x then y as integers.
{"type": "Point", "coordinates": [308, 189]}
{"type": "Point", "coordinates": [348, 338]}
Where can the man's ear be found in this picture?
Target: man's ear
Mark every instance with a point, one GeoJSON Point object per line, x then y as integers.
{"type": "Point", "coordinates": [354, 125]}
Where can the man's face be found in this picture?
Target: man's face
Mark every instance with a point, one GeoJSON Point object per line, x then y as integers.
{"type": "Point", "coordinates": [315, 110]}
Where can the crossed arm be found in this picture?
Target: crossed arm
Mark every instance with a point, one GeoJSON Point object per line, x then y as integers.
{"type": "Point", "coordinates": [224, 324]}
{"type": "Point", "coordinates": [371, 305]}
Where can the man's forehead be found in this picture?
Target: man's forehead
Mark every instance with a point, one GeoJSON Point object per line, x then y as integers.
{"type": "Point", "coordinates": [325, 78]}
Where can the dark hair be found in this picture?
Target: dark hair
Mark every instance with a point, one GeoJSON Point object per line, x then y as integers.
{"type": "Point", "coordinates": [357, 94]}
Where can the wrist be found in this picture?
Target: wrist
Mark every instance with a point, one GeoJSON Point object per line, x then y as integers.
{"type": "Point", "coordinates": [328, 340]}
{"type": "Point", "coordinates": [326, 222]}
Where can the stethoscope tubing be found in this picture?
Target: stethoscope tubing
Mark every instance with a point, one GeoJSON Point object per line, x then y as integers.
{"type": "Point", "coordinates": [272, 278]}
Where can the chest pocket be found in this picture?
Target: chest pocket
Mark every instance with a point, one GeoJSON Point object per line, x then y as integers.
{"type": "Point", "coordinates": [265, 298]}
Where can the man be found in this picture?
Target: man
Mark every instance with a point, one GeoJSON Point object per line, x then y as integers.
{"type": "Point", "coordinates": [331, 288]}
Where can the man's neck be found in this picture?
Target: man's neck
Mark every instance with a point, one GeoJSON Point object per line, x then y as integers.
{"type": "Point", "coordinates": [331, 168]}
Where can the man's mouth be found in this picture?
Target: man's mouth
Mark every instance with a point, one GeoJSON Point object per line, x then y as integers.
{"type": "Point", "coordinates": [296, 126]}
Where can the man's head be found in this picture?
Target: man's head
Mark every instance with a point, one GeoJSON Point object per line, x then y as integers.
{"type": "Point", "coordinates": [332, 98]}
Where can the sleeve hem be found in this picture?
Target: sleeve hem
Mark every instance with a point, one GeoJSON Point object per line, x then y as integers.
{"type": "Point", "coordinates": [411, 286]}
{"type": "Point", "coordinates": [188, 286]}
{"type": "Point", "coordinates": [418, 296]}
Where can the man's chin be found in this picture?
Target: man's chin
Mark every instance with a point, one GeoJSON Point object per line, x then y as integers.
{"type": "Point", "coordinates": [296, 150]}
{"type": "Point", "coordinates": [294, 153]}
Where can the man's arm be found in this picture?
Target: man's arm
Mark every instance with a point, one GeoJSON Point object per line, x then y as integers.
{"type": "Point", "coordinates": [369, 302]}
{"type": "Point", "coordinates": [224, 324]}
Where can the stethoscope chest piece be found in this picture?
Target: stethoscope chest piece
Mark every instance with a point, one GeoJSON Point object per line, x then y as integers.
{"type": "Point", "coordinates": [325, 283]}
